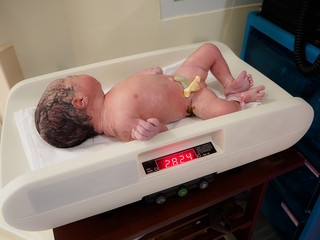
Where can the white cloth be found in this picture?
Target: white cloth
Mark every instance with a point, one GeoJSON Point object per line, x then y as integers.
{"type": "Point", "coordinates": [40, 154]}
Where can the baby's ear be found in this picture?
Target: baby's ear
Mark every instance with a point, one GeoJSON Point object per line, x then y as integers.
{"type": "Point", "coordinates": [80, 102]}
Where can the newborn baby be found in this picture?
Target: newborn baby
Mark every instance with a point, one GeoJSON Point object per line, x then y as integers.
{"type": "Point", "coordinates": [75, 108]}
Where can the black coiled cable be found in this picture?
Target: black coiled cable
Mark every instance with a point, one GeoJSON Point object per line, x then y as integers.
{"type": "Point", "coordinates": [304, 67]}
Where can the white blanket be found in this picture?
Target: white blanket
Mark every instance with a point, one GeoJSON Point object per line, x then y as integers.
{"type": "Point", "coordinates": [40, 154]}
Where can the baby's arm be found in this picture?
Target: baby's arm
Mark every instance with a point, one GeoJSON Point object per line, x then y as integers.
{"type": "Point", "coordinates": [147, 129]}
{"type": "Point", "coordinates": [128, 128]}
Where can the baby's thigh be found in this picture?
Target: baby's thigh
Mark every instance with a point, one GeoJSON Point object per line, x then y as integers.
{"type": "Point", "coordinates": [206, 104]}
{"type": "Point", "coordinates": [191, 69]}
{"type": "Point", "coordinates": [199, 62]}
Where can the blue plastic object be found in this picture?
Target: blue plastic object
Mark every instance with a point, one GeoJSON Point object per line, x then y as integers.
{"type": "Point", "coordinates": [269, 48]}
{"type": "Point", "coordinates": [276, 33]}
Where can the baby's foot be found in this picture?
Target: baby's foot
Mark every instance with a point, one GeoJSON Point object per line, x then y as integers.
{"type": "Point", "coordinates": [251, 95]}
{"type": "Point", "coordinates": [243, 82]}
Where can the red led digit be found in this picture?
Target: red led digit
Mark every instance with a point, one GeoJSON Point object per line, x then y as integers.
{"type": "Point", "coordinates": [176, 159]}
{"type": "Point", "coordinates": [166, 163]}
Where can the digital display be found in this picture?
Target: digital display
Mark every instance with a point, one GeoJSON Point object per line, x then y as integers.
{"type": "Point", "coordinates": [176, 159]}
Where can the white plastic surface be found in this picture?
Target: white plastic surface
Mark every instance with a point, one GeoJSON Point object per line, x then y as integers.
{"type": "Point", "coordinates": [112, 177]}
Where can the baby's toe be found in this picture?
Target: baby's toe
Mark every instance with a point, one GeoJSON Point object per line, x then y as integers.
{"type": "Point", "coordinates": [260, 96]}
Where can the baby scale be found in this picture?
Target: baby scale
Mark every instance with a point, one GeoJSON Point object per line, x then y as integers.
{"type": "Point", "coordinates": [121, 174]}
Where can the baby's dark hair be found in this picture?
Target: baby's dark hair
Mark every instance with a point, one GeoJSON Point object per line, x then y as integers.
{"type": "Point", "coordinates": [58, 122]}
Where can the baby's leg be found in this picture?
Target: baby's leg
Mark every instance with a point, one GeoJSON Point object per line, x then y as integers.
{"type": "Point", "coordinates": [207, 105]}
{"type": "Point", "coordinates": [208, 57]}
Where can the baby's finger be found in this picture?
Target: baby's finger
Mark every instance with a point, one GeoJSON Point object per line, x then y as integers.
{"type": "Point", "coordinates": [143, 131]}
{"type": "Point", "coordinates": [137, 136]}
{"type": "Point", "coordinates": [153, 121]}
{"type": "Point", "coordinates": [148, 125]}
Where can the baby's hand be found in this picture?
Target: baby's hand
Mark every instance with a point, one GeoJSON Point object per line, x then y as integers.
{"type": "Point", "coordinates": [156, 70]}
{"type": "Point", "coordinates": [152, 70]}
{"type": "Point", "coordinates": [147, 129]}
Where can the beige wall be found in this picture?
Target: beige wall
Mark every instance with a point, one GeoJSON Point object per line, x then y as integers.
{"type": "Point", "coordinates": [49, 36]}
{"type": "Point", "coordinates": [39, 31]}
{"type": "Point", "coordinates": [55, 35]}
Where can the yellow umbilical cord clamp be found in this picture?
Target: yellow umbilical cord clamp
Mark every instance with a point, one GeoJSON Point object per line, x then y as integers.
{"type": "Point", "coordinates": [193, 87]}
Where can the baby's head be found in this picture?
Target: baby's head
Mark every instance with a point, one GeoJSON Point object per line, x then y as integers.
{"type": "Point", "coordinates": [58, 121]}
